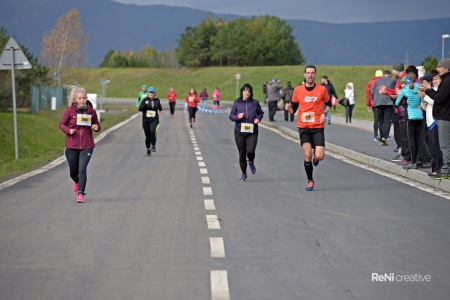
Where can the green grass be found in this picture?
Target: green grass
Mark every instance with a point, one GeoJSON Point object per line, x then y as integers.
{"type": "Point", "coordinates": [39, 138]}
{"type": "Point", "coordinates": [126, 82]}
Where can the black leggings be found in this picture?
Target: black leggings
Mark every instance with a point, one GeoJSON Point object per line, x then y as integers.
{"type": "Point", "coordinates": [246, 146]}
{"type": "Point", "coordinates": [150, 130]}
{"type": "Point", "coordinates": [413, 137]}
{"type": "Point", "coordinates": [192, 111]}
{"type": "Point", "coordinates": [78, 160]}
{"type": "Point", "coordinates": [172, 108]}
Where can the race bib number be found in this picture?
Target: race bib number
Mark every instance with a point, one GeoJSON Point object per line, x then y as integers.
{"type": "Point", "coordinates": [247, 127]}
{"type": "Point", "coordinates": [191, 99]}
{"type": "Point", "coordinates": [151, 113]}
{"type": "Point", "coordinates": [308, 117]}
{"type": "Point", "coordinates": [84, 120]}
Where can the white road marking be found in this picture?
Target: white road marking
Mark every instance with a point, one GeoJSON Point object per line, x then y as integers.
{"type": "Point", "coordinates": [219, 285]}
{"type": "Point", "coordinates": [207, 191]}
{"type": "Point", "coordinates": [217, 247]}
{"type": "Point", "coordinates": [212, 221]}
{"type": "Point", "coordinates": [198, 153]}
{"type": "Point", "coordinates": [209, 204]}
{"type": "Point", "coordinates": [205, 180]}
{"type": "Point", "coordinates": [62, 159]}
{"type": "Point", "coordinates": [199, 158]}
{"type": "Point", "coordinates": [195, 144]}
{"type": "Point", "coordinates": [201, 164]}
{"type": "Point", "coordinates": [203, 171]}
{"type": "Point", "coordinates": [196, 149]}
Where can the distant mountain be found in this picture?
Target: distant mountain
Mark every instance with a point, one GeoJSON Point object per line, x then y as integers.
{"type": "Point", "coordinates": [117, 26]}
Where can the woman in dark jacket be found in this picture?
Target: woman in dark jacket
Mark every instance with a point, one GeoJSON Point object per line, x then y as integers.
{"type": "Point", "coordinates": [150, 118]}
{"type": "Point", "coordinates": [77, 123]}
{"type": "Point", "coordinates": [246, 113]}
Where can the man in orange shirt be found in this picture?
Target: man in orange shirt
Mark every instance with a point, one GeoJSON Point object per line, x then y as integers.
{"type": "Point", "coordinates": [309, 99]}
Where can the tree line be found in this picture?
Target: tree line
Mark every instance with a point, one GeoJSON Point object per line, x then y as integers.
{"type": "Point", "coordinates": [257, 41]}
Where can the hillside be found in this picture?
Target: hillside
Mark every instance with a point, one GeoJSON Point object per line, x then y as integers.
{"type": "Point", "coordinates": [112, 25]}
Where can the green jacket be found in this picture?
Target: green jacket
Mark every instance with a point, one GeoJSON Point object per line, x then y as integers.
{"type": "Point", "coordinates": [142, 95]}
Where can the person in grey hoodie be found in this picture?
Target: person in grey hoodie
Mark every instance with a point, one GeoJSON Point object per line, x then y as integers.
{"type": "Point", "coordinates": [273, 96]}
{"type": "Point", "coordinates": [383, 105]}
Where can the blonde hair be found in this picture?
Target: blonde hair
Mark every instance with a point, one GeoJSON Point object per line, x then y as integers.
{"type": "Point", "coordinates": [74, 92]}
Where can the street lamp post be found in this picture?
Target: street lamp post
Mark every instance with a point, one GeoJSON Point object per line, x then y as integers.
{"type": "Point", "coordinates": [103, 82]}
{"type": "Point", "coordinates": [444, 36]}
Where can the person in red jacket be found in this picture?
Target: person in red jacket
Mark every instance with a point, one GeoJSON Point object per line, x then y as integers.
{"type": "Point", "coordinates": [172, 98]}
{"type": "Point", "coordinates": [192, 99]}
{"type": "Point", "coordinates": [370, 105]}
{"type": "Point", "coordinates": [77, 122]}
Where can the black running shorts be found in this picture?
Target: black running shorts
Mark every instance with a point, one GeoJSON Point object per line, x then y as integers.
{"type": "Point", "coordinates": [314, 136]}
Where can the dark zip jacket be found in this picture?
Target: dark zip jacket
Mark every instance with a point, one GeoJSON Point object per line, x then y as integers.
{"type": "Point", "coordinates": [441, 97]}
{"type": "Point", "coordinates": [251, 109]}
{"type": "Point", "coordinates": [150, 110]}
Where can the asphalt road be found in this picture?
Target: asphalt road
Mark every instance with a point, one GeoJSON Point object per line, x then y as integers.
{"type": "Point", "coordinates": [180, 225]}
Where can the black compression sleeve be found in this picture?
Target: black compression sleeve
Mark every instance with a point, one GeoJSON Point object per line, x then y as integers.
{"type": "Point", "coordinates": [294, 107]}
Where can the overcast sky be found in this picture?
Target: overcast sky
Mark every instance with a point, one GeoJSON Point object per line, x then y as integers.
{"type": "Point", "coordinates": [331, 11]}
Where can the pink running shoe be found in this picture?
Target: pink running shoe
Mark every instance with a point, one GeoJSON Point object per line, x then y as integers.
{"type": "Point", "coordinates": [80, 198]}
{"type": "Point", "coordinates": [403, 162]}
{"type": "Point", "coordinates": [75, 188]}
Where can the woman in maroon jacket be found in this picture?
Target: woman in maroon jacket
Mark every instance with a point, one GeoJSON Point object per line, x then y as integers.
{"type": "Point", "coordinates": [77, 122]}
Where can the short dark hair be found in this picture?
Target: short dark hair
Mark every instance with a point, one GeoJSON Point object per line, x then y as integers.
{"type": "Point", "coordinates": [434, 72]}
{"type": "Point", "coordinates": [311, 67]}
{"type": "Point", "coordinates": [325, 77]}
{"type": "Point", "coordinates": [412, 68]}
{"type": "Point", "coordinates": [387, 72]}
{"type": "Point", "coordinates": [247, 86]}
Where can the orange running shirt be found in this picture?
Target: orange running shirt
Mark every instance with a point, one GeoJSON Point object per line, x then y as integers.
{"type": "Point", "coordinates": [310, 105]}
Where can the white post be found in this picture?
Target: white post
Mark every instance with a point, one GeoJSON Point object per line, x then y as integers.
{"type": "Point", "coordinates": [13, 76]}
{"type": "Point", "coordinates": [53, 103]}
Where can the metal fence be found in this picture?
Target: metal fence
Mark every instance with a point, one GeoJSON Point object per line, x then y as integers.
{"type": "Point", "coordinates": [44, 97]}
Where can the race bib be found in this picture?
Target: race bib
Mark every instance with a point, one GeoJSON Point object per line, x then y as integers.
{"type": "Point", "coordinates": [191, 99]}
{"type": "Point", "coordinates": [247, 127]}
{"type": "Point", "coordinates": [308, 117]}
{"type": "Point", "coordinates": [84, 120]}
{"type": "Point", "coordinates": [151, 113]}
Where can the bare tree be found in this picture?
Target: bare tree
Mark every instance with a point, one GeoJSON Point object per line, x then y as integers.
{"type": "Point", "coordinates": [65, 46]}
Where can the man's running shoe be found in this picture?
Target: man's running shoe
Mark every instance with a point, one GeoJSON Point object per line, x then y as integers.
{"type": "Point", "coordinates": [396, 150]}
{"type": "Point", "coordinates": [80, 198]}
{"type": "Point", "coordinates": [315, 162]}
{"type": "Point", "coordinates": [153, 149]}
{"type": "Point", "coordinates": [376, 139]}
{"type": "Point", "coordinates": [244, 177]}
{"type": "Point", "coordinates": [310, 186]}
{"type": "Point", "coordinates": [75, 188]}
{"type": "Point", "coordinates": [397, 158]}
{"type": "Point", "coordinates": [389, 138]}
{"type": "Point", "coordinates": [383, 142]}
{"type": "Point", "coordinates": [410, 166]}
{"type": "Point", "coordinates": [149, 152]}
{"type": "Point", "coordinates": [252, 167]}
{"type": "Point", "coordinates": [441, 176]}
